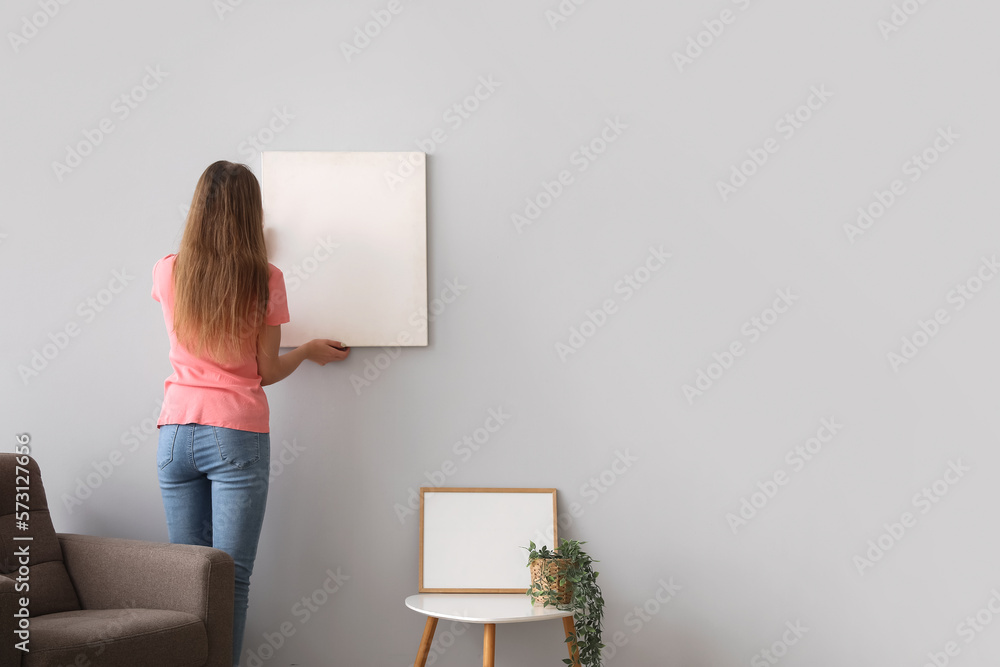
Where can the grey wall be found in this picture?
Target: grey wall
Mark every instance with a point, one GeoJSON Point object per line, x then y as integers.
{"type": "Point", "coordinates": [806, 550]}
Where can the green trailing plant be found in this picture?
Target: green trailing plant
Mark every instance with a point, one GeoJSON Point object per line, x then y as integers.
{"type": "Point", "coordinates": [586, 601]}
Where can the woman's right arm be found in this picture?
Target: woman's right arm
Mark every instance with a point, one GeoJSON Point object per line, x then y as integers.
{"type": "Point", "coordinates": [273, 367]}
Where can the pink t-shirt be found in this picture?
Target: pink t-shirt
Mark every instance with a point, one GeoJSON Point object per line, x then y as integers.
{"type": "Point", "coordinates": [202, 391]}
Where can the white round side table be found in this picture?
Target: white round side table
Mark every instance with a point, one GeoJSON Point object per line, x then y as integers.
{"type": "Point", "coordinates": [488, 609]}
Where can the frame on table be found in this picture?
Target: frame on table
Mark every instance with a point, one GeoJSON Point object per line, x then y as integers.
{"type": "Point", "coordinates": [474, 540]}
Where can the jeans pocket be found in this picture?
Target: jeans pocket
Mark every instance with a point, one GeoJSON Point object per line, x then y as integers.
{"type": "Point", "coordinates": [237, 448]}
{"type": "Point", "coordinates": [165, 445]}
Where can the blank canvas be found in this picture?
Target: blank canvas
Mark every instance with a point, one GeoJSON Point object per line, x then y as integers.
{"type": "Point", "coordinates": [474, 540]}
{"type": "Point", "coordinates": [349, 232]}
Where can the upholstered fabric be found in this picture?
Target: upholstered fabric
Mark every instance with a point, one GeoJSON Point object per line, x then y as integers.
{"type": "Point", "coordinates": [117, 637]}
{"type": "Point", "coordinates": [107, 601]}
{"type": "Point", "coordinates": [50, 589]}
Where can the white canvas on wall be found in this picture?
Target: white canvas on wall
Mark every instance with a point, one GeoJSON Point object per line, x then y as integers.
{"type": "Point", "coordinates": [349, 233]}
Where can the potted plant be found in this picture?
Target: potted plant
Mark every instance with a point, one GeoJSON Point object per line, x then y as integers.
{"type": "Point", "coordinates": [565, 578]}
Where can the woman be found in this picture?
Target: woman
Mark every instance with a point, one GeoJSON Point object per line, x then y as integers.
{"type": "Point", "coordinates": [223, 304]}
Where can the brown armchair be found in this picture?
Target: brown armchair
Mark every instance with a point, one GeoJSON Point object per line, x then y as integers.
{"type": "Point", "coordinates": [105, 601]}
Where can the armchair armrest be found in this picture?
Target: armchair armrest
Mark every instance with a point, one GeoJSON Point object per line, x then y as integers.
{"type": "Point", "coordinates": [9, 655]}
{"type": "Point", "coordinates": [118, 573]}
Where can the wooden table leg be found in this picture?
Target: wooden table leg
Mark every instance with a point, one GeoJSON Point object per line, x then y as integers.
{"type": "Point", "coordinates": [570, 629]}
{"type": "Point", "coordinates": [489, 643]}
{"type": "Point", "coordinates": [425, 641]}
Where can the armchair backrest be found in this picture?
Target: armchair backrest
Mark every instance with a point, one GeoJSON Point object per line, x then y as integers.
{"type": "Point", "coordinates": [49, 588]}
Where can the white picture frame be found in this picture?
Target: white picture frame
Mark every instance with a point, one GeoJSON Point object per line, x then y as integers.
{"type": "Point", "coordinates": [349, 233]}
{"type": "Point", "coordinates": [474, 540]}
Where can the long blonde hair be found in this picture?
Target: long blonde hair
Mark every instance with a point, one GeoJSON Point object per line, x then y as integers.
{"type": "Point", "coordinates": [221, 271]}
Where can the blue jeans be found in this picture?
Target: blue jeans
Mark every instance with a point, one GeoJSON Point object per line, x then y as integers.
{"type": "Point", "coordinates": [214, 484]}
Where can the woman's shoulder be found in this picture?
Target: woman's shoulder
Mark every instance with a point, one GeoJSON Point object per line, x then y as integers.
{"type": "Point", "coordinates": [165, 258]}
{"type": "Point", "coordinates": [162, 270]}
